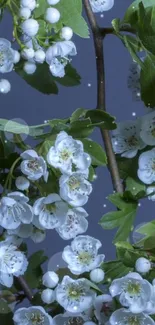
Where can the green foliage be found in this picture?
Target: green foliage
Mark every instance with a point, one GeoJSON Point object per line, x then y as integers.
{"type": "Point", "coordinates": [101, 119]}
{"type": "Point", "coordinates": [135, 187]}
{"type": "Point", "coordinates": [114, 269]}
{"type": "Point", "coordinates": [43, 81]}
{"type": "Point", "coordinates": [147, 81]}
{"type": "Point", "coordinates": [34, 273]}
{"type": "Point", "coordinates": [132, 12]}
{"type": "Point", "coordinates": [123, 218]}
{"type": "Point", "coordinates": [95, 151]}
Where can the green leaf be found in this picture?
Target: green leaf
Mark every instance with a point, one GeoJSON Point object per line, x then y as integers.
{"type": "Point", "coordinates": [95, 151]}
{"type": "Point", "coordinates": [127, 167]}
{"type": "Point", "coordinates": [77, 114]}
{"type": "Point", "coordinates": [131, 13]}
{"type": "Point", "coordinates": [43, 148]}
{"type": "Point", "coordinates": [81, 128]}
{"type": "Point", "coordinates": [123, 219]}
{"type": "Point", "coordinates": [135, 186]}
{"type": "Point", "coordinates": [92, 174]}
{"type": "Point", "coordinates": [128, 42]}
{"type": "Point", "coordinates": [146, 27]}
{"type": "Point", "coordinates": [34, 273]}
{"type": "Point", "coordinates": [116, 24]}
{"type": "Point", "coordinates": [6, 319]}
{"type": "Point", "coordinates": [101, 119]}
{"type": "Point", "coordinates": [71, 78]}
{"type": "Point", "coordinates": [114, 270]}
{"type": "Point", "coordinates": [147, 81]}
{"type": "Point", "coordinates": [70, 12]}
{"type": "Point", "coordinates": [40, 9]}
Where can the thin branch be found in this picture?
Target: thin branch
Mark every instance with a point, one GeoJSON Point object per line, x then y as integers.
{"type": "Point", "coordinates": [25, 287]}
{"type": "Point", "coordinates": [110, 30]}
{"type": "Point", "coordinates": [101, 101]}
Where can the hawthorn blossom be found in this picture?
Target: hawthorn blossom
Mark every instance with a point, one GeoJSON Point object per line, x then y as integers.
{"type": "Point", "coordinates": [123, 316]}
{"type": "Point", "coordinates": [104, 306]}
{"type": "Point", "coordinates": [12, 263]}
{"type": "Point", "coordinates": [60, 49]}
{"type": "Point", "coordinates": [68, 155]}
{"type": "Point", "coordinates": [101, 5]}
{"type": "Point", "coordinates": [57, 67]}
{"type": "Point", "coordinates": [5, 86]}
{"type": "Point", "coordinates": [51, 211]}
{"type": "Point", "coordinates": [146, 164]}
{"type": "Point", "coordinates": [74, 295]}
{"type": "Point", "coordinates": [35, 315]}
{"type": "Point", "coordinates": [126, 139]}
{"type": "Point", "coordinates": [147, 132]}
{"type": "Point", "coordinates": [74, 189]}
{"type": "Point", "coordinates": [133, 291]}
{"type": "Point", "coordinates": [7, 56]}
{"type": "Point", "coordinates": [150, 190]}
{"type": "Point", "coordinates": [82, 255]}
{"type": "Point", "coordinates": [68, 319]}
{"type": "Point", "coordinates": [22, 183]}
{"type": "Point", "coordinates": [33, 166]}
{"type": "Point", "coordinates": [74, 224]}
{"type": "Point", "coordinates": [14, 210]}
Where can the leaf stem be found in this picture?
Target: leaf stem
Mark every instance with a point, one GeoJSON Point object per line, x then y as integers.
{"type": "Point", "coordinates": [25, 288]}
{"type": "Point", "coordinates": [101, 100]}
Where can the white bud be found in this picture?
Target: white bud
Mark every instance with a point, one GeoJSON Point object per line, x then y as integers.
{"type": "Point", "coordinates": [22, 183]}
{"type": "Point", "coordinates": [30, 27]}
{"type": "Point", "coordinates": [97, 275]}
{"type": "Point", "coordinates": [29, 67]}
{"type": "Point", "coordinates": [50, 279]}
{"type": "Point", "coordinates": [143, 265]}
{"type": "Point", "coordinates": [52, 2]}
{"type": "Point", "coordinates": [25, 13]}
{"type": "Point", "coordinates": [31, 4]}
{"type": "Point", "coordinates": [48, 296]}
{"type": "Point", "coordinates": [52, 15]}
{"type": "Point", "coordinates": [5, 86]}
{"type": "Point", "coordinates": [27, 54]}
{"type": "Point", "coordinates": [39, 56]}
{"type": "Point", "coordinates": [89, 323]}
{"type": "Point", "coordinates": [16, 58]}
{"type": "Point", "coordinates": [38, 235]}
{"type": "Point", "coordinates": [66, 33]}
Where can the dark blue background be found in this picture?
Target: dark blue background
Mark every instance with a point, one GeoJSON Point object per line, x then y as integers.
{"type": "Point", "coordinates": [27, 104]}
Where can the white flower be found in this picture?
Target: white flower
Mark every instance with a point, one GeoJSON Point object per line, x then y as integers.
{"type": "Point", "coordinates": [66, 33]}
{"type": "Point", "coordinates": [74, 295]}
{"type": "Point", "coordinates": [7, 56]}
{"type": "Point", "coordinates": [75, 224]}
{"type": "Point", "coordinates": [133, 290]}
{"type": "Point", "coordinates": [57, 68]}
{"type": "Point", "coordinates": [68, 153]}
{"type": "Point", "coordinates": [146, 170]}
{"type": "Point", "coordinates": [104, 306]}
{"type": "Point", "coordinates": [75, 189]}
{"type": "Point", "coordinates": [27, 54]}
{"type": "Point", "coordinates": [97, 275]}
{"type": "Point", "coordinates": [5, 86]}
{"type": "Point", "coordinates": [68, 319]}
{"type": "Point", "coordinates": [150, 306]}
{"type": "Point", "coordinates": [12, 262]}
{"type": "Point", "coordinates": [23, 231]}
{"type": "Point", "coordinates": [143, 265]}
{"type": "Point", "coordinates": [48, 296]}
{"type": "Point", "coordinates": [30, 27]}
{"type": "Point", "coordinates": [34, 315]}
{"type": "Point", "coordinates": [50, 279]}
{"type": "Point", "coordinates": [60, 49]}
{"type": "Point", "coordinates": [51, 211]}
{"type": "Point", "coordinates": [12, 239]}
{"type": "Point", "coordinates": [25, 13]}
{"type": "Point", "coordinates": [52, 15]}
{"type": "Point", "coordinates": [14, 210]}
{"type": "Point", "coordinates": [31, 4]}
{"type": "Point", "coordinates": [22, 183]}
{"type": "Point", "coordinates": [125, 317]}
{"type": "Point", "coordinates": [148, 128]}
{"type": "Point", "coordinates": [29, 67]}
{"type": "Point", "coordinates": [101, 5]}
{"type": "Point", "coordinates": [151, 190]}
{"type": "Point", "coordinates": [52, 2]}
{"type": "Point", "coordinates": [82, 256]}
{"type": "Point", "coordinates": [16, 57]}
{"type": "Point", "coordinates": [126, 139]}
{"type": "Point", "coordinates": [39, 56]}
{"type": "Point", "coordinates": [33, 166]}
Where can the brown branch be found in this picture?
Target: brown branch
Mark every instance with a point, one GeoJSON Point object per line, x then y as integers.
{"type": "Point", "coordinates": [110, 30]}
{"type": "Point", "coordinates": [101, 101]}
{"type": "Point", "coordinates": [25, 287]}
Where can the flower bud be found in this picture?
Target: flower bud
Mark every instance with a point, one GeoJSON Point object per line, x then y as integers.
{"type": "Point", "coordinates": [30, 27]}
{"type": "Point", "coordinates": [97, 275]}
{"type": "Point", "coordinates": [16, 58]}
{"type": "Point", "coordinates": [25, 13]}
{"type": "Point", "coordinates": [143, 265]}
{"type": "Point", "coordinates": [52, 15]}
{"type": "Point", "coordinates": [38, 235]}
{"type": "Point", "coordinates": [66, 33]}
{"type": "Point", "coordinates": [27, 54]}
{"type": "Point", "coordinates": [30, 4]}
{"type": "Point", "coordinates": [48, 296]}
{"type": "Point", "coordinates": [22, 183]}
{"type": "Point", "coordinates": [39, 56]}
{"type": "Point", "coordinates": [50, 279]}
{"type": "Point", "coordinates": [29, 67]}
{"type": "Point", "coordinates": [5, 86]}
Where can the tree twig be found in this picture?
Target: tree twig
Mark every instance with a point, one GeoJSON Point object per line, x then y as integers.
{"type": "Point", "coordinates": [110, 30]}
{"type": "Point", "coordinates": [25, 287]}
{"type": "Point", "coordinates": [101, 101]}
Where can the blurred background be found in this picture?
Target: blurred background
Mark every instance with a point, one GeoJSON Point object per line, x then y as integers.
{"type": "Point", "coordinates": [27, 105]}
